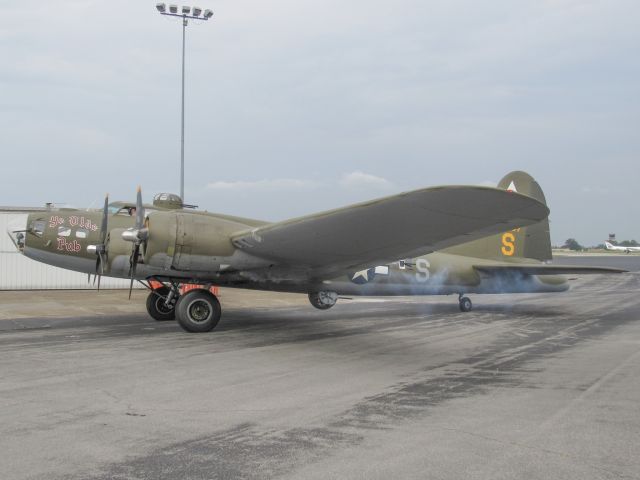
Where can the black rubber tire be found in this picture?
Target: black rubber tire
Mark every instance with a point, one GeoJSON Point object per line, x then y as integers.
{"type": "Point", "coordinates": [465, 304]}
{"type": "Point", "coordinates": [313, 299]}
{"type": "Point", "coordinates": [198, 311]}
{"type": "Point", "coordinates": [156, 306]}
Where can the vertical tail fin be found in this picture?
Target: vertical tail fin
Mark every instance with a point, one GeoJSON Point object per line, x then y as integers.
{"type": "Point", "coordinates": [532, 242]}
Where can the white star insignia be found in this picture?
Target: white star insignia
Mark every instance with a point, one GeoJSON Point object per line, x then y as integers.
{"type": "Point", "coordinates": [363, 276]}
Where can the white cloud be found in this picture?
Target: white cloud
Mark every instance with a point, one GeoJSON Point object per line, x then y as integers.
{"type": "Point", "coordinates": [265, 184]}
{"type": "Point", "coordinates": [360, 179]}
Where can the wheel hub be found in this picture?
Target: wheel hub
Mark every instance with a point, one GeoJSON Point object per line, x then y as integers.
{"type": "Point", "coordinates": [199, 311]}
{"type": "Point", "coordinates": [163, 307]}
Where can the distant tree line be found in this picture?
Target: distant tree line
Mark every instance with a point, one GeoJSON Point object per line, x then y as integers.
{"type": "Point", "coordinates": [572, 244]}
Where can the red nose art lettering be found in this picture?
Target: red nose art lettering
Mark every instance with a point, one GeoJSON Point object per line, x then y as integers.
{"type": "Point", "coordinates": [74, 221]}
{"type": "Point", "coordinates": [89, 225]}
{"type": "Point", "coordinates": [72, 247]}
{"type": "Point", "coordinates": [55, 220]}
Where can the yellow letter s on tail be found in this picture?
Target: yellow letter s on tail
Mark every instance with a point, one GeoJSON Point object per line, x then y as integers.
{"type": "Point", "coordinates": [508, 245]}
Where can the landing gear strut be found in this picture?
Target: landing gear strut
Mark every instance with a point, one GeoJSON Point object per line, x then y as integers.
{"type": "Point", "coordinates": [465, 303]}
{"type": "Point", "coordinates": [198, 311]}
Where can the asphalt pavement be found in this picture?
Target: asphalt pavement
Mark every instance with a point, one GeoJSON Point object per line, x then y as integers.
{"type": "Point", "coordinates": [524, 386]}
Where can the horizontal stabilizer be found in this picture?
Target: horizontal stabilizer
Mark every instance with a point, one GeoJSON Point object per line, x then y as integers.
{"type": "Point", "coordinates": [545, 269]}
{"type": "Point", "coordinates": [384, 230]}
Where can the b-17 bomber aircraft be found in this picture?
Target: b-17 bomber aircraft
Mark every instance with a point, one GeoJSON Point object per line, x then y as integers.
{"type": "Point", "coordinates": [433, 241]}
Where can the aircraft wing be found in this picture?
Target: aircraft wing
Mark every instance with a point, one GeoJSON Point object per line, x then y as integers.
{"type": "Point", "coordinates": [545, 269]}
{"type": "Point", "coordinates": [387, 229]}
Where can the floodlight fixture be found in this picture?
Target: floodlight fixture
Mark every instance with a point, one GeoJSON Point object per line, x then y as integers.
{"type": "Point", "coordinates": [186, 13]}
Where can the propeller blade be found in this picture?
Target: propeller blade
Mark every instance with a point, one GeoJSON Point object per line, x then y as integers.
{"type": "Point", "coordinates": [137, 235]}
{"type": "Point", "coordinates": [139, 210]}
{"type": "Point", "coordinates": [133, 260]}
{"type": "Point", "coordinates": [102, 261]}
{"type": "Point", "coordinates": [101, 247]}
{"type": "Point", "coordinates": [105, 219]}
{"type": "Point", "coordinates": [133, 265]}
{"type": "Point", "coordinates": [136, 254]}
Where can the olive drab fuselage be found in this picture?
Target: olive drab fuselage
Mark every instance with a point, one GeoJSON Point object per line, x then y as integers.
{"type": "Point", "coordinates": [194, 246]}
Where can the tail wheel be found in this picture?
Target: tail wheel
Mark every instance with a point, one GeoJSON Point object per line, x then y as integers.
{"type": "Point", "coordinates": [157, 306]}
{"type": "Point", "coordinates": [465, 304]}
{"type": "Point", "coordinates": [198, 311]}
{"type": "Point", "coordinates": [323, 300]}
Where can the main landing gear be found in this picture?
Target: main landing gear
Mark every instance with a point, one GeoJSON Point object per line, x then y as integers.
{"type": "Point", "coordinates": [161, 303]}
{"type": "Point", "coordinates": [197, 310]}
{"type": "Point", "coordinates": [465, 303]}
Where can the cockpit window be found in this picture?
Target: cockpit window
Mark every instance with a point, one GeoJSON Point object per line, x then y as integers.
{"type": "Point", "coordinates": [127, 211]}
{"type": "Point", "coordinates": [37, 227]}
{"type": "Point", "coordinates": [131, 211]}
{"type": "Point", "coordinates": [64, 231]}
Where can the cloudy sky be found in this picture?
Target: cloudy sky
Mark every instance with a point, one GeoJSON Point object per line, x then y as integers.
{"type": "Point", "coordinates": [297, 106]}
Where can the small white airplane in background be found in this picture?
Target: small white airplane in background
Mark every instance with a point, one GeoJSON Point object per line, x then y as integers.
{"type": "Point", "coordinates": [610, 246]}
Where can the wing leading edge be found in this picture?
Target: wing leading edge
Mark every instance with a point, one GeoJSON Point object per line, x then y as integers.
{"type": "Point", "coordinates": [390, 228]}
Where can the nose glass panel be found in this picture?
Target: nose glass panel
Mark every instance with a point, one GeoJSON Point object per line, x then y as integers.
{"type": "Point", "coordinates": [17, 230]}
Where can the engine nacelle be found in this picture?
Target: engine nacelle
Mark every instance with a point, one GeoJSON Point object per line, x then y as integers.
{"type": "Point", "coordinates": [118, 253]}
{"type": "Point", "coordinates": [188, 241]}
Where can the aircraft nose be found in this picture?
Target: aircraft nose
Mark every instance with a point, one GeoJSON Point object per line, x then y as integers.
{"type": "Point", "coordinates": [17, 230]}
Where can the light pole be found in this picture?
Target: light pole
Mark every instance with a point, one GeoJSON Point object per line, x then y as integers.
{"type": "Point", "coordinates": [186, 13]}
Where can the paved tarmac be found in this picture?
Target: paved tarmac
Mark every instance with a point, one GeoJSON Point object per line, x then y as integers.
{"type": "Point", "coordinates": [525, 386]}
